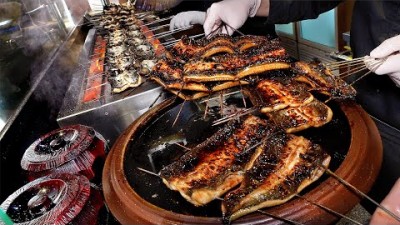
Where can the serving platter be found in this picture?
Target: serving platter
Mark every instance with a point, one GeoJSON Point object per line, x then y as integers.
{"type": "Point", "coordinates": [137, 197]}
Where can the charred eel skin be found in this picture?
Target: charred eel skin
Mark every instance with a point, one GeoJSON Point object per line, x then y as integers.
{"type": "Point", "coordinates": [286, 165]}
{"type": "Point", "coordinates": [217, 165]}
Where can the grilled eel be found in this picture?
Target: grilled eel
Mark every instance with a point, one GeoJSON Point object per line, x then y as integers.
{"type": "Point", "coordinates": [287, 165]}
{"type": "Point", "coordinates": [274, 94]}
{"type": "Point", "coordinates": [218, 164]}
{"type": "Point", "coordinates": [294, 119]}
{"type": "Point", "coordinates": [322, 80]}
{"type": "Point", "coordinates": [187, 49]}
{"type": "Point", "coordinates": [236, 66]}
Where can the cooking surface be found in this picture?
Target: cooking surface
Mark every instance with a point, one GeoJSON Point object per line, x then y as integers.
{"type": "Point", "coordinates": [155, 148]}
{"type": "Point", "coordinates": [26, 129]}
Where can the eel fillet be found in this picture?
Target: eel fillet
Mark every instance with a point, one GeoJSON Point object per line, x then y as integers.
{"type": "Point", "coordinates": [277, 94]}
{"type": "Point", "coordinates": [287, 165]}
{"type": "Point", "coordinates": [322, 80]}
{"type": "Point", "coordinates": [218, 164]}
{"type": "Point", "coordinates": [294, 119]}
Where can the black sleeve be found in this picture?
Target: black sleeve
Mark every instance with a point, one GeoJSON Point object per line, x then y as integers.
{"type": "Point", "coordinates": [286, 11]}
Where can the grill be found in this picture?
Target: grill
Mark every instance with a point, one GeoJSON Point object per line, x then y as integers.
{"type": "Point", "coordinates": [94, 97]}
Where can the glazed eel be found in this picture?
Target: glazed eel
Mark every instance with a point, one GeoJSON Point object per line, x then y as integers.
{"type": "Point", "coordinates": [217, 165]}
{"type": "Point", "coordinates": [287, 165]}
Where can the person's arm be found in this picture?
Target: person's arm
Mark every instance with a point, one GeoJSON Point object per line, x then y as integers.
{"type": "Point", "coordinates": [286, 11]}
{"type": "Point", "coordinates": [185, 19]}
{"type": "Point", "coordinates": [392, 203]}
{"type": "Point", "coordinates": [235, 12]}
{"type": "Point", "coordinates": [385, 59]}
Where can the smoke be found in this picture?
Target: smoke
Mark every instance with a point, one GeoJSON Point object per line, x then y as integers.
{"type": "Point", "coordinates": [43, 35]}
{"type": "Point", "coordinates": [55, 83]}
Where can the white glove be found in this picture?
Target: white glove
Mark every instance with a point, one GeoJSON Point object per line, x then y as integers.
{"type": "Point", "coordinates": [185, 19]}
{"type": "Point", "coordinates": [392, 203]}
{"type": "Point", "coordinates": [231, 12]}
{"type": "Point", "coordinates": [388, 51]}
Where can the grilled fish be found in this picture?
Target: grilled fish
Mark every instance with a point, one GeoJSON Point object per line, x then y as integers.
{"type": "Point", "coordinates": [278, 93]}
{"type": "Point", "coordinates": [293, 119]}
{"type": "Point", "coordinates": [217, 165]}
{"type": "Point", "coordinates": [287, 165]}
{"type": "Point", "coordinates": [321, 79]}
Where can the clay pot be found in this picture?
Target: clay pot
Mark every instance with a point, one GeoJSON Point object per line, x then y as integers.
{"type": "Point", "coordinates": [359, 166]}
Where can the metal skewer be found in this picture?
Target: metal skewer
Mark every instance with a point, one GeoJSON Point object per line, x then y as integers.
{"type": "Point", "coordinates": [156, 28]}
{"type": "Point", "coordinates": [269, 214]}
{"type": "Point", "coordinates": [374, 67]}
{"type": "Point", "coordinates": [235, 115]}
{"type": "Point", "coordinates": [328, 171]}
{"type": "Point", "coordinates": [157, 21]}
{"type": "Point", "coordinates": [164, 34]}
{"type": "Point", "coordinates": [182, 146]}
{"type": "Point", "coordinates": [147, 171]}
{"type": "Point", "coordinates": [329, 210]}
{"type": "Point", "coordinates": [173, 42]}
{"type": "Point", "coordinates": [179, 112]}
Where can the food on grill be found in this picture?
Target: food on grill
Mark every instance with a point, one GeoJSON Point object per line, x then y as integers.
{"type": "Point", "coordinates": [127, 48]}
{"type": "Point", "coordinates": [156, 5]}
{"type": "Point", "coordinates": [217, 165]}
{"type": "Point", "coordinates": [279, 93]}
{"type": "Point", "coordinates": [294, 119]}
{"type": "Point", "coordinates": [322, 80]}
{"type": "Point", "coordinates": [287, 165]}
{"type": "Point", "coordinates": [222, 62]}
{"type": "Point", "coordinates": [245, 60]}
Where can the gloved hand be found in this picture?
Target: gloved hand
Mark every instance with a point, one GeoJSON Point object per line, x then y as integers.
{"type": "Point", "coordinates": [185, 19]}
{"type": "Point", "coordinates": [389, 52]}
{"type": "Point", "coordinates": [231, 12]}
{"type": "Point", "coordinates": [392, 203]}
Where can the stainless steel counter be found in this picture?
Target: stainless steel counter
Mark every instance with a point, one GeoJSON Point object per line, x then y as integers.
{"type": "Point", "coordinates": [31, 35]}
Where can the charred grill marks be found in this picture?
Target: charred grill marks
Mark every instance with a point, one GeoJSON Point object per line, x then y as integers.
{"type": "Point", "coordinates": [212, 167]}
{"type": "Point", "coordinates": [286, 165]}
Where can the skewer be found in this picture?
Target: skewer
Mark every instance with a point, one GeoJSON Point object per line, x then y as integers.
{"type": "Point", "coordinates": [173, 42]}
{"type": "Point", "coordinates": [206, 110]}
{"type": "Point", "coordinates": [215, 97]}
{"type": "Point", "coordinates": [154, 102]}
{"type": "Point", "coordinates": [157, 21]}
{"type": "Point", "coordinates": [95, 75]}
{"type": "Point", "coordinates": [329, 210]}
{"type": "Point", "coordinates": [277, 217]}
{"type": "Point", "coordinates": [264, 212]}
{"type": "Point", "coordinates": [344, 62]}
{"type": "Point", "coordinates": [243, 97]}
{"type": "Point", "coordinates": [164, 34]}
{"type": "Point", "coordinates": [375, 66]}
{"type": "Point", "coordinates": [213, 32]}
{"type": "Point", "coordinates": [221, 199]}
{"type": "Point", "coordinates": [182, 146]}
{"type": "Point", "coordinates": [126, 94]}
{"type": "Point", "coordinates": [147, 171]}
{"type": "Point", "coordinates": [269, 214]}
{"type": "Point", "coordinates": [96, 86]}
{"type": "Point", "coordinates": [179, 112]}
{"type": "Point", "coordinates": [156, 28]}
{"type": "Point", "coordinates": [328, 171]}
{"type": "Point", "coordinates": [235, 30]}
{"type": "Point", "coordinates": [235, 115]}
{"type": "Point", "coordinates": [352, 71]}
{"type": "Point", "coordinates": [221, 102]}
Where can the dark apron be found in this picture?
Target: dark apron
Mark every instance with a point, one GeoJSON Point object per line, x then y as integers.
{"type": "Point", "coordinates": [373, 22]}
